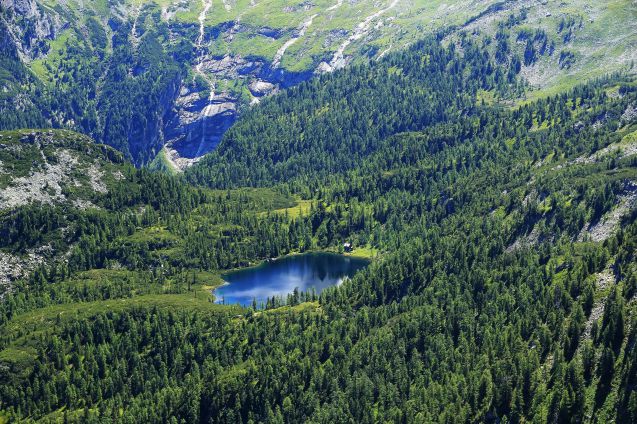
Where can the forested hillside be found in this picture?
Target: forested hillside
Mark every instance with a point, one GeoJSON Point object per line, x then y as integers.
{"type": "Point", "coordinates": [505, 289]}
{"type": "Point", "coordinates": [163, 80]}
{"type": "Point", "coordinates": [330, 124]}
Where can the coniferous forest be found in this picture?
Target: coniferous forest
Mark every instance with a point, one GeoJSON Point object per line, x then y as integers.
{"type": "Point", "coordinates": [502, 287]}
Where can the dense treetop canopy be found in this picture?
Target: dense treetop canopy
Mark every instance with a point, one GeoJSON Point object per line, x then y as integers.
{"type": "Point", "coordinates": [504, 290]}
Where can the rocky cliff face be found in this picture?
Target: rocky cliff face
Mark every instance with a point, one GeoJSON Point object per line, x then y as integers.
{"type": "Point", "coordinates": [198, 118]}
{"type": "Point", "coordinates": [8, 46]}
{"type": "Point", "coordinates": [196, 124]}
{"type": "Point", "coordinates": [153, 135]}
{"type": "Point", "coordinates": [30, 26]}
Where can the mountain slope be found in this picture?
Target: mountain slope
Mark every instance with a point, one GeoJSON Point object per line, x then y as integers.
{"type": "Point", "coordinates": [54, 166]}
{"type": "Point", "coordinates": [336, 121]}
{"type": "Point", "coordinates": [503, 210]}
{"type": "Point", "coordinates": [43, 170]}
{"type": "Point", "coordinates": [143, 77]}
{"type": "Point", "coordinates": [561, 44]}
{"type": "Point", "coordinates": [504, 289]}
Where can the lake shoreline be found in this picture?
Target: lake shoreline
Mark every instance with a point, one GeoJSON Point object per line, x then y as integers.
{"type": "Point", "coordinates": [369, 254]}
{"type": "Point", "coordinates": [278, 277]}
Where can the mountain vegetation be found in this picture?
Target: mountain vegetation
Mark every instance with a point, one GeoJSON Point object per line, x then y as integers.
{"type": "Point", "coordinates": [163, 81]}
{"type": "Point", "coordinates": [505, 289]}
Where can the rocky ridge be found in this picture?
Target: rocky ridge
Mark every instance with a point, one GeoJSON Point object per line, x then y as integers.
{"type": "Point", "coordinates": [53, 167]}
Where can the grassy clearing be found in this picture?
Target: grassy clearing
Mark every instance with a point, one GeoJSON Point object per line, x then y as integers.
{"type": "Point", "coordinates": [100, 276]}
{"type": "Point", "coordinates": [56, 50]}
{"type": "Point", "coordinates": [301, 307]}
{"type": "Point", "coordinates": [18, 359]}
{"type": "Point", "coordinates": [364, 252]}
{"type": "Point", "coordinates": [201, 281]}
{"type": "Point", "coordinates": [264, 199]}
{"type": "Point", "coordinates": [300, 208]}
{"type": "Point", "coordinates": [247, 45]}
{"type": "Point", "coordinates": [161, 163]}
{"type": "Point", "coordinates": [206, 281]}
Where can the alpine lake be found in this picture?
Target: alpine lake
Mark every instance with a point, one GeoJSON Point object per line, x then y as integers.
{"type": "Point", "coordinates": [279, 277]}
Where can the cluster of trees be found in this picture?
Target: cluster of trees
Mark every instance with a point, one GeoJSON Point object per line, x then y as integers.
{"type": "Point", "coordinates": [483, 308]}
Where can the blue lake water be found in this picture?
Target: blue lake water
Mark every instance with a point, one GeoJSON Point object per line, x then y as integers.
{"type": "Point", "coordinates": [282, 276]}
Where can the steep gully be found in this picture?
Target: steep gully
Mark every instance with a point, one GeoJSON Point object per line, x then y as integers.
{"type": "Point", "coordinates": [301, 32]}
{"type": "Point", "coordinates": [206, 112]}
{"type": "Point", "coordinates": [338, 60]}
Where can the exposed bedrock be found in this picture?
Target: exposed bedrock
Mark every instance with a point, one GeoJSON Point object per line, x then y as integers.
{"type": "Point", "coordinates": [197, 121]}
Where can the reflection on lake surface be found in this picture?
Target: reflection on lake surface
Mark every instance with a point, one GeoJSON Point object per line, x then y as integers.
{"type": "Point", "coordinates": [280, 277]}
